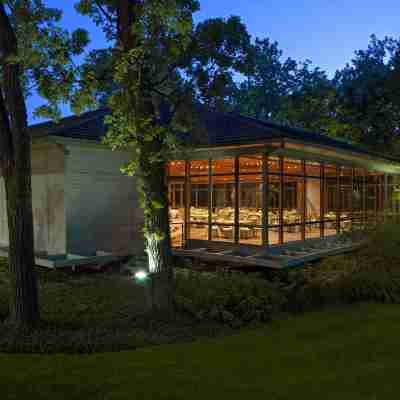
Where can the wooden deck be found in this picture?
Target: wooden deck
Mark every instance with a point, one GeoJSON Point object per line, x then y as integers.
{"type": "Point", "coordinates": [274, 258]}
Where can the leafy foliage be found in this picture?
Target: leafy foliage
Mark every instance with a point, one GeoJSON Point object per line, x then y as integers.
{"type": "Point", "coordinates": [162, 66]}
{"type": "Point", "coordinates": [46, 53]}
{"type": "Point", "coordinates": [361, 102]}
{"type": "Point", "coordinates": [373, 274]}
{"type": "Point", "coordinates": [95, 312]}
{"type": "Point", "coordinates": [368, 95]}
{"type": "Point", "coordinates": [234, 299]}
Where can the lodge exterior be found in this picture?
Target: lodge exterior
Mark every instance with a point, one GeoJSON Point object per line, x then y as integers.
{"type": "Point", "coordinates": [255, 183]}
{"type": "Point", "coordinates": [243, 184]}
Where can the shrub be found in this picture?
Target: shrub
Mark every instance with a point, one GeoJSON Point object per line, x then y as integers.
{"type": "Point", "coordinates": [233, 298]}
{"type": "Point", "coordinates": [371, 274]}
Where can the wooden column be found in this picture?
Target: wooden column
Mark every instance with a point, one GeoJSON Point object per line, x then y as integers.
{"type": "Point", "coordinates": [236, 227]}
{"type": "Point", "coordinates": [352, 188]}
{"type": "Point", "coordinates": [281, 183]}
{"type": "Point", "coordinates": [187, 203]}
{"type": "Point", "coordinates": [265, 200]}
{"type": "Point", "coordinates": [364, 200]}
{"type": "Point", "coordinates": [385, 197]}
{"type": "Point", "coordinates": [338, 199]}
{"type": "Point", "coordinates": [322, 200]}
{"type": "Point", "coordinates": [210, 199]}
{"type": "Point", "coordinates": [304, 205]}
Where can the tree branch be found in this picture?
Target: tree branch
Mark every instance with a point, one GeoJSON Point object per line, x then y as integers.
{"type": "Point", "coordinates": [106, 14]}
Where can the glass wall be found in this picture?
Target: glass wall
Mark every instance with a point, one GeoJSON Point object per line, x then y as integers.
{"type": "Point", "coordinates": [260, 200]}
{"type": "Point", "coordinates": [313, 197]}
{"type": "Point", "coordinates": [223, 195]}
{"type": "Point", "coordinates": [250, 199]}
{"type": "Point", "coordinates": [177, 198]}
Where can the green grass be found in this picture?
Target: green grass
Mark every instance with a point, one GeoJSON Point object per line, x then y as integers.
{"type": "Point", "coordinates": [350, 353]}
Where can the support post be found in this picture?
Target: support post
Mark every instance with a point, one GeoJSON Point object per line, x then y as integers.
{"type": "Point", "coordinates": [281, 183]}
{"type": "Point", "coordinates": [187, 202]}
{"type": "Point", "coordinates": [304, 203]}
{"type": "Point", "coordinates": [210, 199]}
{"type": "Point", "coordinates": [236, 227]}
{"type": "Point", "coordinates": [265, 201]}
{"type": "Point", "coordinates": [338, 199]}
{"type": "Point", "coordinates": [322, 200]}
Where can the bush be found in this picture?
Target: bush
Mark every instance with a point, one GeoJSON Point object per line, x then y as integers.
{"type": "Point", "coordinates": [371, 274]}
{"type": "Point", "coordinates": [235, 299]}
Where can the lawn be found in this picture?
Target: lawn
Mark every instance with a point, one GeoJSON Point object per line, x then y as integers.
{"type": "Point", "coordinates": [348, 353]}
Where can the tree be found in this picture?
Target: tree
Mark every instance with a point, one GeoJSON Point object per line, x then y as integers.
{"type": "Point", "coordinates": [34, 53]}
{"type": "Point", "coordinates": [268, 80]}
{"type": "Point", "coordinates": [368, 97]}
{"type": "Point", "coordinates": [309, 104]}
{"type": "Point", "coordinates": [163, 66]}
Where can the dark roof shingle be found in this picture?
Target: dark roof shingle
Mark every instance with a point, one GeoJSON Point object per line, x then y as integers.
{"type": "Point", "coordinates": [217, 129]}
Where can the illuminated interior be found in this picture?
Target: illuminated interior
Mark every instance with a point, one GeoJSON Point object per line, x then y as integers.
{"type": "Point", "coordinates": [261, 200]}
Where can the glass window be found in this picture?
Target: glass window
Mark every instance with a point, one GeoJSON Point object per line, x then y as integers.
{"type": "Point", "coordinates": [250, 235]}
{"type": "Point", "coordinates": [345, 193]}
{"type": "Point", "coordinates": [371, 194]}
{"type": "Point", "coordinates": [313, 199]}
{"type": "Point", "coordinates": [313, 230]}
{"type": "Point", "coordinates": [223, 233]}
{"type": "Point", "coordinates": [250, 200]}
{"type": "Point", "coordinates": [293, 199]}
{"type": "Point", "coordinates": [331, 195]}
{"type": "Point", "coordinates": [199, 199]}
{"type": "Point", "coordinates": [273, 200]}
{"type": "Point", "coordinates": [223, 200]}
{"type": "Point", "coordinates": [198, 232]}
{"type": "Point", "coordinates": [292, 233]}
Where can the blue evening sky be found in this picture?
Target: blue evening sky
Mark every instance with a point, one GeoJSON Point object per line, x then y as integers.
{"type": "Point", "coordinates": [325, 31]}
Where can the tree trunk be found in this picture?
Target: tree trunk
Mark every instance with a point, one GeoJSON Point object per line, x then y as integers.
{"type": "Point", "coordinates": [157, 235]}
{"type": "Point", "coordinates": [24, 307]}
{"type": "Point", "coordinates": [151, 174]}
{"type": "Point", "coordinates": [15, 164]}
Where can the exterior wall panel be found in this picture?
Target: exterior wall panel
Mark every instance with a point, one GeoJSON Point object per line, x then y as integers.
{"type": "Point", "coordinates": [102, 209]}
{"type": "Point", "coordinates": [47, 201]}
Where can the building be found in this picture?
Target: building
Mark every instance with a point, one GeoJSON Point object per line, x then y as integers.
{"type": "Point", "coordinates": [256, 183]}
{"type": "Point", "coordinates": [244, 182]}
{"type": "Point", "coordinates": [82, 203]}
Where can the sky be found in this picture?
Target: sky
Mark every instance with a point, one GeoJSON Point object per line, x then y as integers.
{"type": "Point", "coordinates": [327, 32]}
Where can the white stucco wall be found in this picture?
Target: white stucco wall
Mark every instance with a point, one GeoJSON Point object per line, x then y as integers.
{"type": "Point", "coordinates": [47, 200]}
{"type": "Point", "coordinates": [102, 211]}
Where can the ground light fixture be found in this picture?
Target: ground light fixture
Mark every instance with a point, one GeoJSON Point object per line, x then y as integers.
{"type": "Point", "coordinates": [141, 275]}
